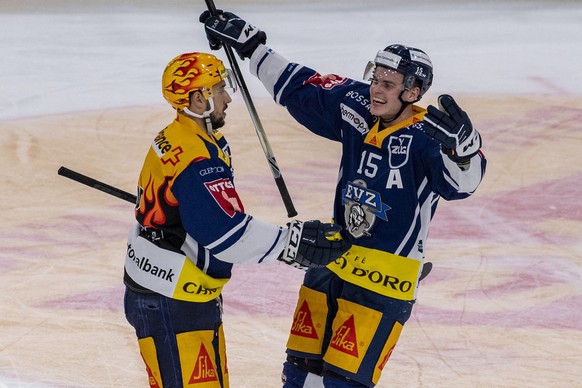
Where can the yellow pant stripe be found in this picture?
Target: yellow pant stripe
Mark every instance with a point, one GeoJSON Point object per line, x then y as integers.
{"type": "Point", "coordinates": [150, 358]}
{"type": "Point", "coordinates": [353, 330]}
{"type": "Point", "coordinates": [197, 358]}
{"type": "Point", "coordinates": [309, 322]}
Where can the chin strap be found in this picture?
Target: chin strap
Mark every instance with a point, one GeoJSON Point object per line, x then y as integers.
{"type": "Point", "coordinates": [205, 115]}
{"type": "Point", "coordinates": [404, 105]}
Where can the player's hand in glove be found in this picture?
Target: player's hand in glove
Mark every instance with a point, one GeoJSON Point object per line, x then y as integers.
{"type": "Point", "coordinates": [215, 44]}
{"type": "Point", "coordinates": [451, 126]}
{"type": "Point", "coordinates": [228, 28]}
{"type": "Point", "coordinates": [310, 245]}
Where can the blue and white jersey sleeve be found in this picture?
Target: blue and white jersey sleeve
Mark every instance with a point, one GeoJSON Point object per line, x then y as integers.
{"type": "Point", "coordinates": [214, 218]}
{"type": "Point", "coordinates": [312, 99]}
{"type": "Point", "coordinates": [448, 179]}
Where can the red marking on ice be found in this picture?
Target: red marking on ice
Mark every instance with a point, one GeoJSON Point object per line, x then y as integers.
{"type": "Point", "coordinates": [507, 280]}
{"type": "Point", "coordinates": [499, 217]}
{"type": "Point", "coordinates": [106, 299]}
{"type": "Point", "coordinates": [262, 290]}
{"type": "Point", "coordinates": [562, 314]}
{"type": "Point", "coordinates": [550, 86]}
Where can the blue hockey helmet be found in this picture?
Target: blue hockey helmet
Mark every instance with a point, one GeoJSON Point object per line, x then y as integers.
{"type": "Point", "coordinates": [413, 63]}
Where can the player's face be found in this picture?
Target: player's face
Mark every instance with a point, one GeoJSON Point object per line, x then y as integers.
{"type": "Point", "coordinates": [385, 88]}
{"type": "Point", "coordinates": [221, 100]}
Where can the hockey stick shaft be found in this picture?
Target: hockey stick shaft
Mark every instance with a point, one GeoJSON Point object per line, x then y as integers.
{"type": "Point", "coordinates": [94, 183]}
{"type": "Point", "coordinates": [291, 212]}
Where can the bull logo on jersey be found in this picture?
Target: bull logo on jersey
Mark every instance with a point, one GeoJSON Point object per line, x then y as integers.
{"type": "Point", "coordinates": [398, 149]}
{"type": "Point", "coordinates": [361, 207]}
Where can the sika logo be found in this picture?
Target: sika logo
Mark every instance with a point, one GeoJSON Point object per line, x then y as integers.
{"type": "Point", "coordinates": [204, 371]}
{"type": "Point", "coordinates": [303, 324]}
{"type": "Point", "coordinates": [386, 357]}
{"type": "Point", "coordinates": [344, 339]}
{"type": "Point", "coordinates": [152, 380]}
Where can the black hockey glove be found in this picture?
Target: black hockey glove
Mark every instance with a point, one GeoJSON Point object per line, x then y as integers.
{"type": "Point", "coordinates": [308, 245]}
{"type": "Point", "coordinates": [215, 44]}
{"type": "Point", "coordinates": [450, 126]}
{"type": "Point", "coordinates": [228, 28]}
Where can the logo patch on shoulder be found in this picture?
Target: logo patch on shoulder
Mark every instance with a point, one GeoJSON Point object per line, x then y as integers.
{"type": "Point", "coordinates": [224, 193]}
{"type": "Point", "coordinates": [327, 81]}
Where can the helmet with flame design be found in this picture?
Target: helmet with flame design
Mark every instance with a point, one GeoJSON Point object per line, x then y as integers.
{"type": "Point", "coordinates": [190, 72]}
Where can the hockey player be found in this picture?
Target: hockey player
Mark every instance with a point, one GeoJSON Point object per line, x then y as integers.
{"type": "Point", "coordinates": [191, 226]}
{"type": "Point", "coordinates": [397, 161]}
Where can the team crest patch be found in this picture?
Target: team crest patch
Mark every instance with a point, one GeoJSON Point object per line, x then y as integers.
{"type": "Point", "coordinates": [398, 149]}
{"type": "Point", "coordinates": [224, 193]}
{"type": "Point", "coordinates": [361, 207]}
{"type": "Point", "coordinates": [327, 81]}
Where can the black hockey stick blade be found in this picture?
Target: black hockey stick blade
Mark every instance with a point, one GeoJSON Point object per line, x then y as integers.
{"type": "Point", "coordinates": [84, 179]}
{"type": "Point", "coordinates": [426, 268]}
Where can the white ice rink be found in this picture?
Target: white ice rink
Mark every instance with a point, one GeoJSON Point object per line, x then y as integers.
{"type": "Point", "coordinates": [67, 55]}
{"type": "Point", "coordinates": [80, 87]}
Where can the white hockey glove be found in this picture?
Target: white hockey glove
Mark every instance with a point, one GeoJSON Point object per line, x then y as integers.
{"type": "Point", "coordinates": [230, 29]}
{"type": "Point", "coordinates": [450, 126]}
{"type": "Point", "coordinates": [309, 244]}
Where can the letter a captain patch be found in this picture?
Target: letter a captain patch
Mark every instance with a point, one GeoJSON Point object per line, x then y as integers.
{"type": "Point", "coordinates": [308, 322]}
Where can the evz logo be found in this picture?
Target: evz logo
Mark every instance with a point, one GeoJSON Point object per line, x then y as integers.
{"type": "Point", "coordinates": [361, 207]}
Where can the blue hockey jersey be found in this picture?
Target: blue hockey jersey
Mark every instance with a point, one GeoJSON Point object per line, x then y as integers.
{"type": "Point", "coordinates": [191, 223]}
{"type": "Point", "coordinates": [390, 179]}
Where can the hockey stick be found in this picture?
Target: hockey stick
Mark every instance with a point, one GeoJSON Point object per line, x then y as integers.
{"type": "Point", "coordinates": [291, 212]}
{"type": "Point", "coordinates": [84, 179]}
